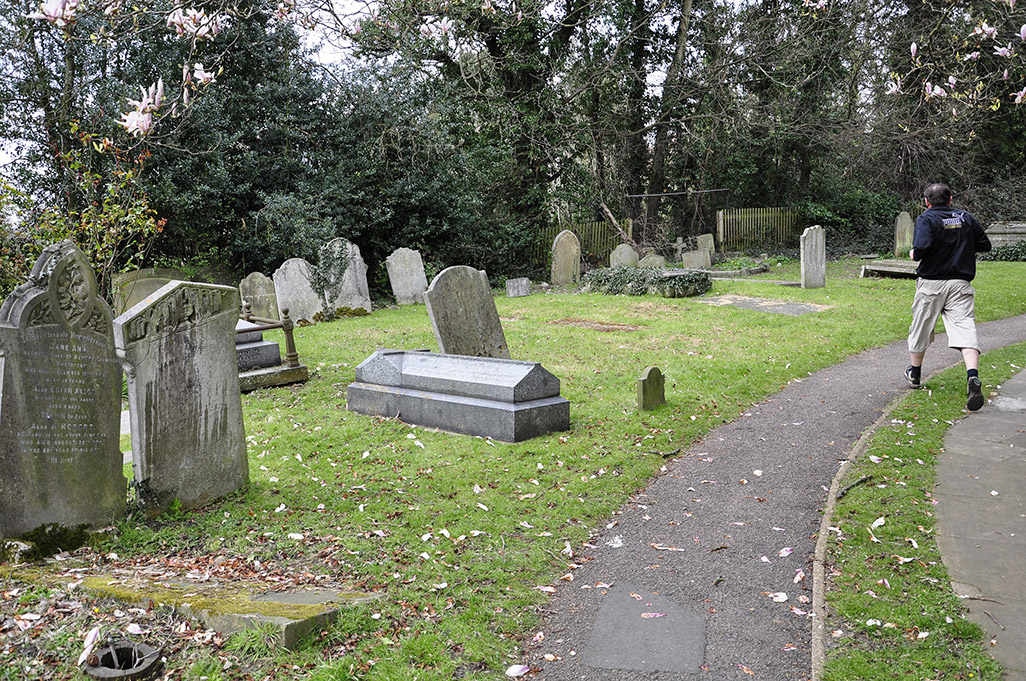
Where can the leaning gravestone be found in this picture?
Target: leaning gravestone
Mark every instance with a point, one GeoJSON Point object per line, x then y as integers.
{"type": "Point", "coordinates": [813, 253]}
{"type": "Point", "coordinates": [295, 293]}
{"type": "Point", "coordinates": [623, 256]}
{"type": "Point", "coordinates": [406, 274]}
{"type": "Point", "coordinates": [654, 261]}
{"type": "Point", "coordinates": [651, 389]}
{"type": "Point", "coordinates": [348, 288]}
{"type": "Point", "coordinates": [60, 400]}
{"type": "Point", "coordinates": [903, 231]}
{"type": "Point", "coordinates": [463, 315]}
{"type": "Point", "coordinates": [188, 440]}
{"type": "Point", "coordinates": [566, 259]}
{"type": "Point", "coordinates": [258, 290]}
{"type": "Point", "coordinates": [518, 288]}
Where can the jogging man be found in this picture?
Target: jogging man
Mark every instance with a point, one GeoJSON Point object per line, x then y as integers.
{"type": "Point", "coordinates": [945, 243]}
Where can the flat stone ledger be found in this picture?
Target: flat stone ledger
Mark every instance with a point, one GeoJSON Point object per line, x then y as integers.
{"type": "Point", "coordinates": [60, 400]}
{"type": "Point", "coordinates": [188, 439]}
{"type": "Point", "coordinates": [651, 389]}
{"type": "Point", "coordinates": [406, 275]}
{"type": "Point", "coordinates": [518, 288]}
{"type": "Point", "coordinates": [295, 293]}
{"type": "Point", "coordinates": [504, 399]}
{"type": "Point", "coordinates": [348, 290]}
{"type": "Point", "coordinates": [904, 229]}
{"type": "Point", "coordinates": [258, 290]}
{"type": "Point", "coordinates": [813, 254]}
{"type": "Point", "coordinates": [566, 259]}
{"type": "Point", "coordinates": [623, 256]}
{"type": "Point", "coordinates": [463, 314]}
{"type": "Point", "coordinates": [902, 269]}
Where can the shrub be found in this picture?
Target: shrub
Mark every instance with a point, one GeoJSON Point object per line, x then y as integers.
{"type": "Point", "coordinates": [1008, 253]}
{"type": "Point", "coordinates": [636, 281]}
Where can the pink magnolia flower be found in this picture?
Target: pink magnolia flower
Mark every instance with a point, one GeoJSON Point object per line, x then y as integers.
{"type": "Point", "coordinates": [1004, 76]}
{"type": "Point", "coordinates": [1004, 51]}
{"type": "Point", "coordinates": [972, 56]}
{"type": "Point", "coordinates": [1020, 96]}
{"type": "Point", "coordinates": [893, 87]}
{"type": "Point", "coordinates": [58, 12]}
{"type": "Point", "coordinates": [952, 80]}
{"type": "Point", "coordinates": [193, 22]}
{"type": "Point", "coordinates": [985, 30]}
{"type": "Point", "coordinates": [425, 30]}
{"type": "Point", "coordinates": [445, 25]}
{"type": "Point", "coordinates": [913, 48]}
{"type": "Point", "coordinates": [139, 122]}
{"type": "Point", "coordinates": [202, 75]}
{"type": "Point", "coordinates": [1022, 31]}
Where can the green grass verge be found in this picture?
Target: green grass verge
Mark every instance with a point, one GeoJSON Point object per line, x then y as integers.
{"type": "Point", "coordinates": [893, 613]}
{"type": "Point", "coordinates": [457, 531]}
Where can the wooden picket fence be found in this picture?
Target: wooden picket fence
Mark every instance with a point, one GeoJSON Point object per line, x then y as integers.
{"type": "Point", "coordinates": [597, 239]}
{"type": "Point", "coordinates": [738, 229]}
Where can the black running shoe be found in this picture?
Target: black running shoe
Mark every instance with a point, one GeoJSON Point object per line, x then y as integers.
{"type": "Point", "coordinates": [975, 394]}
{"type": "Point", "coordinates": [912, 381]}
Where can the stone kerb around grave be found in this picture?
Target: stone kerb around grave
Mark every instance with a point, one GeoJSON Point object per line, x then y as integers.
{"type": "Point", "coordinates": [188, 439]}
{"type": "Point", "coordinates": [463, 314]}
{"type": "Point", "coordinates": [60, 401]}
{"type": "Point", "coordinates": [566, 259]}
{"type": "Point", "coordinates": [406, 275]}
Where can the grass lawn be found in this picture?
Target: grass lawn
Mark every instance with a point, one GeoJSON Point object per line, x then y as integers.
{"type": "Point", "coordinates": [456, 532]}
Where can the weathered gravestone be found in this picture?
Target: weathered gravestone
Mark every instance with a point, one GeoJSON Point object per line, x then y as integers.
{"type": "Point", "coordinates": [696, 260]}
{"type": "Point", "coordinates": [406, 274]}
{"type": "Point", "coordinates": [258, 290]}
{"type": "Point", "coordinates": [188, 440]}
{"type": "Point", "coordinates": [813, 253]}
{"type": "Point", "coordinates": [706, 241]}
{"type": "Point", "coordinates": [654, 261]}
{"type": "Point", "coordinates": [623, 256]}
{"type": "Point", "coordinates": [566, 259]}
{"type": "Point", "coordinates": [463, 315]}
{"type": "Point", "coordinates": [251, 350]}
{"type": "Point", "coordinates": [60, 401]}
{"type": "Point", "coordinates": [904, 229]}
{"type": "Point", "coordinates": [518, 288]}
{"type": "Point", "coordinates": [131, 287]}
{"type": "Point", "coordinates": [651, 389]}
{"type": "Point", "coordinates": [502, 399]}
{"type": "Point", "coordinates": [295, 293]}
{"type": "Point", "coordinates": [345, 276]}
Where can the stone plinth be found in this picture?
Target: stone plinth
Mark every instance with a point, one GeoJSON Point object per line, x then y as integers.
{"type": "Point", "coordinates": [463, 315]}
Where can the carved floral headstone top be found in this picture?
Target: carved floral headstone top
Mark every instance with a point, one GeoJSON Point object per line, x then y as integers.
{"type": "Point", "coordinates": [60, 400]}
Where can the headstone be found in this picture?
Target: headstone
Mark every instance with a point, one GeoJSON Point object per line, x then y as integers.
{"type": "Point", "coordinates": [295, 293]}
{"type": "Point", "coordinates": [696, 260]}
{"type": "Point", "coordinates": [651, 389]}
{"type": "Point", "coordinates": [813, 254]}
{"type": "Point", "coordinates": [60, 400]}
{"type": "Point", "coordinates": [654, 261]}
{"type": "Point", "coordinates": [131, 287]}
{"type": "Point", "coordinates": [463, 314]}
{"type": "Point", "coordinates": [406, 274]}
{"type": "Point", "coordinates": [258, 290]}
{"type": "Point", "coordinates": [566, 259]}
{"type": "Point", "coordinates": [350, 289]}
{"type": "Point", "coordinates": [903, 231]}
{"type": "Point", "coordinates": [188, 439]}
{"type": "Point", "coordinates": [623, 256]}
{"type": "Point", "coordinates": [706, 241]}
{"type": "Point", "coordinates": [518, 288]}
{"type": "Point", "coordinates": [503, 399]}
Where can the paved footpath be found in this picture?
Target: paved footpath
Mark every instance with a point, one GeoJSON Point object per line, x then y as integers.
{"type": "Point", "coordinates": [694, 560]}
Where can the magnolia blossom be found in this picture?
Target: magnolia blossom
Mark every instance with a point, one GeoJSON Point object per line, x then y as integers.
{"type": "Point", "coordinates": [952, 80]}
{"type": "Point", "coordinates": [821, 4]}
{"type": "Point", "coordinates": [894, 87]}
{"type": "Point", "coordinates": [445, 25]}
{"type": "Point", "coordinates": [1020, 96]}
{"type": "Point", "coordinates": [1004, 51]}
{"type": "Point", "coordinates": [139, 121]}
{"type": "Point", "coordinates": [935, 91]}
{"type": "Point", "coordinates": [202, 75]}
{"type": "Point", "coordinates": [1004, 76]}
{"type": "Point", "coordinates": [193, 22]}
{"type": "Point", "coordinates": [59, 12]}
{"type": "Point", "coordinates": [972, 56]}
{"type": "Point", "coordinates": [985, 30]}
{"type": "Point", "coordinates": [425, 30]}
{"type": "Point", "coordinates": [1022, 31]}
{"type": "Point", "coordinates": [913, 48]}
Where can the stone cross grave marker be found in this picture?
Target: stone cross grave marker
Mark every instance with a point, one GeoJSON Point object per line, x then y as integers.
{"type": "Point", "coordinates": [651, 389]}
{"type": "Point", "coordinates": [623, 256]}
{"type": "Point", "coordinates": [294, 292]}
{"type": "Point", "coordinates": [903, 231]}
{"type": "Point", "coordinates": [60, 400]}
{"type": "Point", "coordinates": [350, 289]}
{"type": "Point", "coordinates": [813, 253]}
{"type": "Point", "coordinates": [258, 290]}
{"type": "Point", "coordinates": [406, 274]}
{"type": "Point", "coordinates": [188, 439]}
{"type": "Point", "coordinates": [463, 315]}
{"type": "Point", "coordinates": [566, 259]}
{"type": "Point", "coordinates": [518, 288]}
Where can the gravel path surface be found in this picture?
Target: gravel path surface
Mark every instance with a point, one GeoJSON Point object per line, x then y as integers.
{"type": "Point", "coordinates": [694, 560]}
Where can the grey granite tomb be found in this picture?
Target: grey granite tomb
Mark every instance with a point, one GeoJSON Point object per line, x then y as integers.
{"type": "Point", "coordinates": [623, 256]}
{"type": "Point", "coordinates": [503, 399]}
{"type": "Point", "coordinates": [903, 231]}
{"type": "Point", "coordinates": [813, 254]}
{"type": "Point", "coordinates": [350, 289]}
{"type": "Point", "coordinates": [60, 400]}
{"type": "Point", "coordinates": [188, 439]}
{"type": "Point", "coordinates": [566, 259]}
{"type": "Point", "coordinates": [463, 315]}
{"type": "Point", "coordinates": [406, 275]}
{"type": "Point", "coordinates": [258, 290]}
{"type": "Point", "coordinates": [518, 288]}
{"type": "Point", "coordinates": [295, 293]}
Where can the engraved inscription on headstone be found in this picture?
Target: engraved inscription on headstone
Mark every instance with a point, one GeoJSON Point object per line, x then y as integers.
{"type": "Point", "coordinates": [188, 440]}
{"type": "Point", "coordinates": [463, 315]}
{"type": "Point", "coordinates": [60, 400]}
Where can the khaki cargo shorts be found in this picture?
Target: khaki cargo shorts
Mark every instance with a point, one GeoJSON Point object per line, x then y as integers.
{"type": "Point", "coordinates": [951, 299]}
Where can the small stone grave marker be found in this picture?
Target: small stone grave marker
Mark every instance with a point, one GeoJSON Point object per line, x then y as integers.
{"type": "Point", "coordinates": [904, 229]}
{"type": "Point", "coordinates": [518, 288]}
{"type": "Point", "coordinates": [188, 438]}
{"type": "Point", "coordinates": [706, 241]}
{"type": "Point", "coordinates": [651, 389]}
{"type": "Point", "coordinates": [350, 289]}
{"type": "Point", "coordinates": [654, 261]}
{"type": "Point", "coordinates": [463, 314]}
{"type": "Point", "coordinates": [566, 259]}
{"type": "Point", "coordinates": [60, 400]}
{"type": "Point", "coordinates": [258, 290]}
{"type": "Point", "coordinates": [406, 274]}
{"type": "Point", "coordinates": [295, 293]}
{"type": "Point", "coordinates": [813, 253]}
{"type": "Point", "coordinates": [696, 260]}
{"type": "Point", "coordinates": [623, 256]}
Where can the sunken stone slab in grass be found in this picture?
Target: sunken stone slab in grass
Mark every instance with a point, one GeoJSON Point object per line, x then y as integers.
{"type": "Point", "coordinates": [60, 401]}
{"type": "Point", "coordinates": [503, 399]}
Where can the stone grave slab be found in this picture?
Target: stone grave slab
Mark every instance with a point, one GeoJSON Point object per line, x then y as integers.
{"type": "Point", "coordinates": [295, 293]}
{"type": "Point", "coordinates": [258, 290]}
{"type": "Point", "coordinates": [350, 289]}
{"type": "Point", "coordinates": [406, 275]}
{"type": "Point", "coordinates": [518, 288]}
{"type": "Point", "coordinates": [566, 259]}
{"type": "Point", "coordinates": [1004, 233]}
{"type": "Point", "coordinates": [463, 314]}
{"type": "Point", "coordinates": [60, 400]}
{"type": "Point", "coordinates": [623, 256]}
{"type": "Point", "coordinates": [902, 269]}
{"type": "Point", "coordinates": [131, 287]}
{"type": "Point", "coordinates": [188, 439]}
{"type": "Point", "coordinates": [785, 307]}
{"type": "Point", "coordinates": [904, 229]}
{"type": "Point", "coordinates": [503, 399]}
{"type": "Point", "coordinates": [813, 257]}
{"type": "Point", "coordinates": [654, 261]}
{"type": "Point", "coordinates": [651, 389]}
